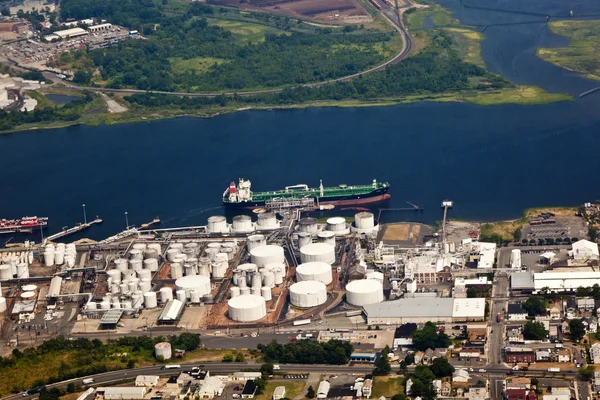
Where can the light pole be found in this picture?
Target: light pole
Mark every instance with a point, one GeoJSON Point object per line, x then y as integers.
{"type": "Point", "coordinates": [126, 221]}
{"type": "Point", "coordinates": [84, 215]}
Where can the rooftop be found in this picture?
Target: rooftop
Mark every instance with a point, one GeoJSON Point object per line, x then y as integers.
{"type": "Point", "coordinates": [111, 317]}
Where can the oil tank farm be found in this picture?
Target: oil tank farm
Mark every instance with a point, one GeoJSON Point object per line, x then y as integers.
{"type": "Point", "coordinates": [247, 308]}
{"type": "Point", "coordinates": [364, 291]}
{"type": "Point", "coordinates": [314, 271]}
{"type": "Point", "coordinates": [267, 254]}
{"type": "Point", "coordinates": [321, 252]}
{"type": "Point", "coordinates": [308, 294]}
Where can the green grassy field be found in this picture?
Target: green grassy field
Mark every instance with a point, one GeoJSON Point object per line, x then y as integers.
{"type": "Point", "coordinates": [467, 44]}
{"type": "Point", "coordinates": [200, 64]}
{"type": "Point", "coordinates": [581, 55]}
{"type": "Point", "coordinates": [438, 16]}
{"type": "Point", "coordinates": [246, 32]}
{"type": "Point", "coordinates": [387, 386]}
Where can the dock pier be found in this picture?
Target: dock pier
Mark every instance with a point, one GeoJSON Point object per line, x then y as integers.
{"type": "Point", "coordinates": [149, 224]}
{"type": "Point", "coordinates": [70, 231]}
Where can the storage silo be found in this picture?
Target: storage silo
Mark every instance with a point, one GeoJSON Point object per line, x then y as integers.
{"type": "Point", "coordinates": [28, 295]}
{"type": "Point", "coordinates": [22, 271]}
{"type": "Point", "coordinates": [114, 289]}
{"type": "Point", "coordinates": [151, 264]}
{"type": "Point", "coordinates": [180, 258]}
{"type": "Point", "coordinates": [59, 255]}
{"type": "Point", "coordinates": [256, 280]}
{"type": "Point", "coordinates": [177, 245]}
{"type": "Point", "coordinates": [219, 269]}
{"type": "Point", "coordinates": [314, 271]}
{"type": "Point", "coordinates": [255, 291]}
{"type": "Point", "coordinates": [191, 248]}
{"type": "Point", "coordinates": [269, 279]}
{"type": "Point", "coordinates": [136, 254]}
{"type": "Point", "coordinates": [212, 252]}
{"type": "Point", "coordinates": [176, 271]}
{"type": "Point", "coordinates": [124, 288]}
{"type": "Point", "coordinates": [279, 274]}
{"type": "Point", "coordinates": [327, 237]}
{"type": "Point", "coordinates": [181, 296]}
{"type": "Point", "coordinates": [235, 291]}
{"type": "Point", "coordinates": [317, 252]}
{"type": "Point", "coordinates": [133, 285]}
{"type": "Point", "coordinates": [255, 241]}
{"type": "Point", "coordinates": [156, 247]}
{"type": "Point", "coordinates": [5, 272]}
{"type": "Point", "coordinates": [267, 221]}
{"type": "Point", "coordinates": [49, 256]}
{"type": "Point", "coordinates": [150, 300]}
{"type": "Point", "coordinates": [336, 224]}
{"type": "Point", "coordinates": [166, 294]}
{"type": "Point", "coordinates": [140, 246]}
{"type": "Point", "coordinates": [91, 305]}
{"type": "Point", "coordinates": [121, 264]}
{"type": "Point", "coordinates": [265, 292]}
{"type": "Point", "coordinates": [242, 224]}
{"type": "Point", "coordinates": [364, 291]}
{"type": "Point", "coordinates": [145, 285]}
{"type": "Point", "coordinates": [163, 350]}
{"type": "Point", "coordinates": [203, 270]}
{"type": "Point", "coordinates": [308, 294]}
{"type": "Point", "coordinates": [229, 252]}
{"type": "Point", "coordinates": [364, 220]}
{"type": "Point", "coordinates": [378, 276]}
{"type": "Point", "coordinates": [136, 264]}
{"type": "Point", "coordinates": [196, 282]}
{"type": "Point", "coordinates": [245, 291]}
{"type": "Point", "coordinates": [172, 253]}
{"type": "Point", "coordinates": [263, 255]}
{"type": "Point", "coordinates": [151, 253]}
{"type": "Point", "coordinates": [247, 308]}
{"type": "Point", "coordinates": [188, 269]}
{"type": "Point", "coordinates": [308, 224]}
{"type": "Point", "coordinates": [105, 305]}
{"type": "Point", "coordinates": [195, 296]}
{"type": "Point", "coordinates": [217, 224]}
{"type": "Point", "coordinates": [304, 238]}
{"type": "Point", "coordinates": [143, 274]}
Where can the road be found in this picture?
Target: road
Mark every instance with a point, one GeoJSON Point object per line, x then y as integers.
{"type": "Point", "coordinates": [496, 337]}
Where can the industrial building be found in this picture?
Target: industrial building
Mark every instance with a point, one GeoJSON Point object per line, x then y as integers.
{"type": "Point", "coordinates": [70, 33]}
{"type": "Point", "coordinates": [559, 280]}
{"type": "Point", "coordinates": [122, 392]}
{"type": "Point", "coordinates": [423, 309]}
{"type": "Point", "coordinates": [584, 251]}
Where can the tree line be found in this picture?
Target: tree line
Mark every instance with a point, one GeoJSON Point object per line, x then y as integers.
{"type": "Point", "coordinates": [307, 352]}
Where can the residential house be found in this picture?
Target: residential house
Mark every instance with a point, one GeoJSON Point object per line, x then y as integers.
{"type": "Point", "coordinates": [555, 311]}
{"type": "Point", "coordinates": [477, 393]}
{"type": "Point", "coordinates": [585, 303]}
{"type": "Point", "coordinates": [409, 384]}
{"type": "Point", "coordinates": [516, 312]}
{"type": "Point", "coordinates": [595, 353]}
{"type": "Point", "coordinates": [279, 393]}
{"type": "Point", "coordinates": [518, 383]}
{"type": "Point", "coordinates": [571, 307]}
{"type": "Point", "coordinates": [446, 389]}
{"type": "Point", "coordinates": [367, 388]}
{"type": "Point", "coordinates": [543, 355]}
{"type": "Point", "coordinates": [437, 386]}
{"type": "Point", "coordinates": [564, 327]}
{"type": "Point", "coordinates": [553, 332]}
{"type": "Point", "coordinates": [419, 357]}
{"type": "Point", "coordinates": [514, 333]}
{"type": "Point", "coordinates": [472, 351]}
{"type": "Point", "coordinates": [428, 356]}
{"type": "Point", "coordinates": [596, 382]}
{"type": "Point", "coordinates": [593, 325]}
{"type": "Point", "coordinates": [519, 355]}
{"type": "Point", "coordinates": [441, 352]}
{"type": "Point", "coordinates": [516, 394]}
{"type": "Point", "coordinates": [459, 375]}
{"type": "Point", "coordinates": [564, 355]}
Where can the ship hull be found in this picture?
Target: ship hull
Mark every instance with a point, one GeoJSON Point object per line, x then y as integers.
{"type": "Point", "coordinates": [22, 230]}
{"type": "Point", "coordinates": [375, 196]}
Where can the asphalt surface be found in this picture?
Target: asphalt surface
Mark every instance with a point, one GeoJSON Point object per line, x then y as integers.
{"type": "Point", "coordinates": [496, 336]}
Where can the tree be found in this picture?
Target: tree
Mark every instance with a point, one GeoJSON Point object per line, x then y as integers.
{"type": "Point", "coordinates": [428, 338]}
{"type": "Point", "coordinates": [260, 385]}
{"type": "Point", "coordinates": [577, 329]}
{"type": "Point", "coordinates": [517, 235]}
{"type": "Point", "coordinates": [534, 331]}
{"type": "Point", "coordinates": [471, 292]}
{"type": "Point", "coordinates": [310, 393]}
{"type": "Point", "coordinates": [131, 363]}
{"type": "Point", "coordinates": [239, 357]}
{"type": "Point", "coordinates": [441, 367]}
{"type": "Point", "coordinates": [409, 359]}
{"type": "Point", "coordinates": [71, 387]}
{"type": "Point", "coordinates": [266, 369]}
{"type": "Point", "coordinates": [535, 305]}
{"type": "Point", "coordinates": [228, 358]}
{"type": "Point", "coordinates": [82, 76]}
{"type": "Point", "coordinates": [382, 365]}
{"type": "Point", "coordinates": [399, 397]}
{"type": "Point", "coordinates": [586, 373]}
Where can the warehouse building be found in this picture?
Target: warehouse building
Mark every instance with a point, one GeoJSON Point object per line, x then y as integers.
{"type": "Point", "coordinates": [560, 280]}
{"type": "Point", "coordinates": [122, 392]}
{"type": "Point", "coordinates": [70, 33]}
{"type": "Point", "coordinates": [423, 309]}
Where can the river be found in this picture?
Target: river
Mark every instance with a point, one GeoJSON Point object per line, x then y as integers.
{"type": "Point", "coordinates": [493, 162]}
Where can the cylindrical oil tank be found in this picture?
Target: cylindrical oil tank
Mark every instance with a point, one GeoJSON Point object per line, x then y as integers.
{"type": "Point", "coordinates": [214, 245]}
{"type": "Point", "coordinates": [191, 248]}
{"type": "Point", "coordinates": [308, 224]}
{"type": "Point", "coordinates": [256, 241]}
{"type": "Point", "coordinates": [136, 254]}
{"type": "Point", "coordinates": [137, 299]}
{"type": "Point", "coordinates": [279, 274]}
{"type": "Point", "coordinates": [255, 291]}
{"type": "Point", "coordinates": [28, 295]}
{"type": "Point", "coordinates": [176, 271]}
{"type": "Point", "coordinates": [221, 257]}
{"type": "Point", "coordinates": [247, 268]}
{"type": "Point", "coordinates": [123, 288]}
{"type": "Point", "coordinates": [189, 269]}
{"type": "Point", "coordinates": [136, 264]}
{"type": "Point", "coordinates": [244, 291]}
{"type": "Point", "coordinates": [145, 285]}
{"type": "Point", "coordinates": [317, 252]}
{"type": "Point", "coordinates": [163, 350]}
{"type": "Point", "coordinates": [172, 253]}
{"type": "Point", "coordinates": [199, 283]}
{"type": "Point", "coordinates": [177, 245]}
{"type": "Point", "coordinates": [265, 292]}
{"type": "Point", "coordinates": [229, 252]}
{"type": "Point", "coordinates": [308, 294]}
{"type": "Point", "coordinates": [256, 280]}
{"type": "Point", "coordinates": [127, 304]}
{"type": "Point", "coordinates": [156, 247]}
{"type": "Point", "coordinates": [22, 271]}
{"type": "Point", "coordinates": [336, 224]}
{"type": "Point", "coordinates": [247, 308]}
{"type": "Point", "coordinates": [180, 258]}
{"type": "Point", "coordinates": [121, 264]}
{"type": "Point", "coordinates": [114, 289]}
{"type": "Point", "coordinates": [140, 246]}
{"type": "Point", "coordinates": [150, 300]}
{"type": "Point", "coordinates": [267, 220]}
{"type": "Point", "coordinates": [364, 291]}
{"type": "Point", "coordinates": [2, 305]}
{"type": "Point", "coordinates": [29, 288]}
{"type": "Point", "coordinates": [49, 257]}
{"type": "Point", "coordinates": [314, 271]}
{"type": "Point", "coordinates": [219, 269]}
{"type": "Point", "coordinates": [144, 274]}
{"type": "Point", "coordinates": [181, 296]}
{"type": "Point", "coordinates": [212, 252]}
{"type": "Point", "coordinates": [235, 291]}
{"type": "Point", "coordinates": [304, 238]}
{"type": "Point", "coordinates": [378, 276]}
{"type": "Point", "coordinates": [115, 303]}
{"type": "Point", "coordinates": [195, 296]}
{"type": "Point", "coordinates": [5, 272]}
{"type": "Point", "coordinates": [203, 270]}
{"type": "Point", "coordinates": [364, 220]}
{"type": "Point", "coordinates": [151, 264]}
{"type": "Point", "coordinates": [242, 224]}
{"type": "Point", "coordinates": [269, 279]}
{"type": "Point", "coordinates": [105, 305]}
{"type": "Point", "coordinates": [263, 255]}
{"type": "Point", "coordinates": [151, 254]}
{"type": "Point", "coordinates": [91, 305]}
{"type": "Point", "coordinates": [133, 286]}
{"type": "Point", "coordinates": [166, 294]}
{"type": "Point", "coordinates": [327, 237]}
{"type": "Point", "coordinates": [217, 224]}
{"type": "Point", "coordinates": [59, 256]}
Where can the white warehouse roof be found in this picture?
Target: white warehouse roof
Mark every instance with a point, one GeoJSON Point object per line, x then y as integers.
{"type": "Point", "coordinates": [563, 280]}
{"type": "Point", "coordinates": [426, 307]}
{"type": "Point", "coordinates": [487, 253]}
{"type": "Point", "coordinates": [468, 308]}
{"type": "Point", "coordinates": [70, 32]}
{"type": "Point", "coordinates": [584, 248]}
{"type": "Point", "coordinates": [123, 392]}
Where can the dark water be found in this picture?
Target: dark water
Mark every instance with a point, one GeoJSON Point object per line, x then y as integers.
{"type": "Point", "coordinates": [60, 99]}
{"type": "Point", "coordinates": [492, 161]}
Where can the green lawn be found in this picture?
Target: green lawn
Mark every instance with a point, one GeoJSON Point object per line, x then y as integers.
{"type": "Point", "coordinates": [387, 386]}
{"type": "Point", "coordinates": [581, 55]}
{"type": "Point", "coordinates": [246, 32]}
{"type": "Point", "coordinates": [438, 16]}
{"type": "Point", "coordinates": [292, 389]}
{"type": "Point", "coordinates": [200, 64]}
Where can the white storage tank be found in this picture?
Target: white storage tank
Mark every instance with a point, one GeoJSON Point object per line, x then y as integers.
{"type": "Point", "coordinates": [166, 294]}
{"type": "Point", "coordinates": [308, 224]}
{"type": "Point", "coordinates": [308, 294]}
{"type": "Point", "coordinates": [269, 279]}
{"type": "Point", "coordinates": [247, 308]}
{"type": "Point", "coordinates": [163, 350]}
{"type": "Point", "coordinates": [267, 220]}
{"type": "Point", "coordinates": [176, 271]}
{"type": "Point", "coordinates": [105, 305]}
{"type": "Point", "coordinates": [235, 291]}
{"type": "Point", "coordinates": [217, 224]}
{"type": "Point", "coordinates": [127, 304]}
{"type": "Point", "coordinates": [5, 272]}
{"type": "Point", "coordinates": [177, 245]}
{"type": "Point", "coordinates": [172, 253]}
{"type": "Point", "coordinates": [314, 271]}
{"type": "Point", "coordinates": [136, 264]}
{"type": "Point", "coordinates": [136, 254]}
{"type": "Point", "coordinates": [242, 224]}
{"type": "Point", "coordinates": [327, 237]}
{"type": "Point", "coordinates": [188, 269]}
{"type": "Point", "coordinates": [266, 293]}
{"type": "Point", "coordinates": [229, 252]}
{"type": "Point", "coordinates": [378, 276]}
{"type": "Point", "coordinates": [124, 288]}
{"type": "Point", "coordinates": [114, 289]}
{"type": "Point", "coordinates": [212, 252]}
{"type": "Point", "coordinates": [181, 296]}
{"type": "Point", "coordinates": [22, 271]}
{"type": "Point", "coordinates": [121, 264]}
{"type": "Point", "coordinates": [199, 283]}
{"type": "Point", "coordinates": [91, 305]}
{"type": "Point", "coordinates": [304, 238]}
{"type": "Point", "coordinates": [263, 255]}
{"type": "Point", "coordinates": [364, 291]}
{"type": "Point", "coordinates": [256, 241]}
{"type": "Point", "coordinates": [59, 256]}
{"type": "Point", "coordinates": [2, 305]}
{"type": "Point", "coordinates": [255, 291]}
{"type": "Point", "coordinates": [145, 285]}
{"type": "Point", "coordinates": [143, 274]}
{"type": "Point", "coordinates": [195, 297]}
{"type": "Point", "coordinates": [515, 259]}
{"type": "Point", "coordinates": [151, 253]}
{"type": "Point", "coordinates": [317, 252]}
{"type": "Point", "coordinates": [49, 257]}
{"type": "Point", "coordinates": [219, 269]}
{"type": "Point", "coordinates": [156, 247]}
{"type": "Point", "coordinates": [28, 295]}
{"type": "Point", "coordinates": [256, 280]}
{"type": "Point", "coordinates": [279, 275]}
{"type": "Point", "coordinates": [140, 246]}
{"type": "Point", "coordinates": [245, 291]}
{"type": "Point", "coordinates": [151, 264]}
{"type": "Point", "coordinates": [336, 224]}
{"type": "Point", "coordinates": [215, 245]}
{"type": "Point", "coordinates": [364, 220]}
{"type": "Point", "coordinates": [150, 300]}
{"type": "Point", "coordinates": [203, 270]}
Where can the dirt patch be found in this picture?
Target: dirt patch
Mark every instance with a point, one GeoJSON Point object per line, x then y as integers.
{"type": "Point", "coordinates": [396, 232]}
{"type": "Point", "coordinates": [347, 11]}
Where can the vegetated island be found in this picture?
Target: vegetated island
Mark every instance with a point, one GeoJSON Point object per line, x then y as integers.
{"type": "Point", "coordinates": [581, 54]}
{"type": "Point", "coordinates": [196, 47]}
